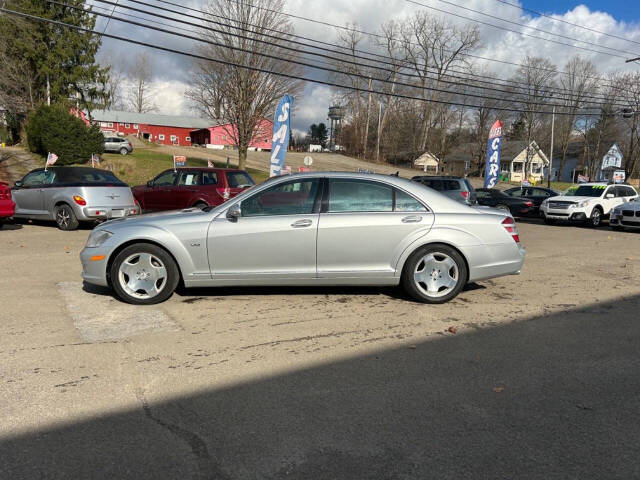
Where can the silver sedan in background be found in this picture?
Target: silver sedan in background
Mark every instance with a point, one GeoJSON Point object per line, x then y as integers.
{"type": "Point", "coordinates": [70, 195]}
{"type": "Point", "coordinates": [320, 228]}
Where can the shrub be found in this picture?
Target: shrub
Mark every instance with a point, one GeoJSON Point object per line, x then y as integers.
{"type": "Point", "coordinates": [54, 129]}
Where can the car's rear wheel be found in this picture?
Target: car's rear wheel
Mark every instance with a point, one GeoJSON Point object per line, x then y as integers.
{"type": "Point", "coordinates": [595, 220]}
{"type": "Point", "coordinates": [144, 274]}
{"type": "Point", "coordinates": [434, 274]}
{"type": "Point", "coordinates": [65, 218]}
{"type": "Point", "coordinates": [123, 151]}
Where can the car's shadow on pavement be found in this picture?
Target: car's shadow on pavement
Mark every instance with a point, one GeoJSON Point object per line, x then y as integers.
{"type": "Point", "coordinates": [552, 396]}
{"type": "Point", "coordinates": [10, 226]}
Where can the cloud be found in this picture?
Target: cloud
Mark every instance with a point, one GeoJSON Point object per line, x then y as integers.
{"type": "Point", "coordinates": [173, 72]}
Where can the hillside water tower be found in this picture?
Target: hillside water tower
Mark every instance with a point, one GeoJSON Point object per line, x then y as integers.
{"type": "Point", "coordinates": [335, 117]}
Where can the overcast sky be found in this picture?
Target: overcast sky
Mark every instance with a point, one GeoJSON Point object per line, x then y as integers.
{"type": "Point", "coordinates": [172, 72]}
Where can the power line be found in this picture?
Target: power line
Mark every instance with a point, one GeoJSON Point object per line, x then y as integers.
{"type": "Point", "coordinates": [556, 91]}
{"type": "Point", "coordinates": [293, 61]}
{"type": "Point", "coordinates": [532, 28]}
{"type": "Point", "coordinates": [262, 70]}
{"type": "Point", "coordinates": [510, 30]}
{"type": "Point", "coordinates": [566, 21]}
{"type": "Point", "coordinates": [376, 35]}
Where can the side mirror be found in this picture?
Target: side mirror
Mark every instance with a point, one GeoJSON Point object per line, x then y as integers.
{"type": "Point", "coordinates": [609, 195]}
{"type": "Point", "coordinates": [18, 184]}
{"type": "Point", "coordinates": [234, 212]}
{"type": "Point", "coordinates": [150, 183]}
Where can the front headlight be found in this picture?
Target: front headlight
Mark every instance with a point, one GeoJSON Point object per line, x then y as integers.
{"type": "Point", "coordinates": [581, 204]}
{"type": "Point", "coordinates": [544, 203]}
{"type": "Point", "coordinates": [97, 238]}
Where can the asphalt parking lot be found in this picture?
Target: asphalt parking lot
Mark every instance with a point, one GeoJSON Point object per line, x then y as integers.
{"type": "Point", "coordinates": [530, 376]}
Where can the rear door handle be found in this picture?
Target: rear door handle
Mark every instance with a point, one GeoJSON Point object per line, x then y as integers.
{"type": "Point", "coordinates": [412, 219]}
{"type": "Point", "coordinates": [301, 223]}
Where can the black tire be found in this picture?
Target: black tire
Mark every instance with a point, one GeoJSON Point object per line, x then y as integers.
{"type": "Point", "coordinates": [595, 220]}
{"type": "Point", "coordinates": [412, 266]}
{"type": "Point", "coordinates": [167, 287]}
{"type": "Point", "coordinates": [124, 151]}
{"type": "Point", "coordinates": [65, 218]}
{"type": "Point", "coordinates": [200, 205]}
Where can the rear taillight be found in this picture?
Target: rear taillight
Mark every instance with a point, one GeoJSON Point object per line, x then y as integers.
{"type": "Point", "coordinates": [529, 204]}
{"type": "Point", "coordinates": [509, 225]}
{"type": "Point", "coordinates": [224, 193]}
{"type": "Point", "coordinates": [5, 193]}
{"type": "Point", "coordinates": [79, 200]}
{"type": "Point", "coordinates": [464, 194]}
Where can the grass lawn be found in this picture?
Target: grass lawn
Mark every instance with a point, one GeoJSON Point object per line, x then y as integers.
{"type": "Point", "coordinates": [145, 163]}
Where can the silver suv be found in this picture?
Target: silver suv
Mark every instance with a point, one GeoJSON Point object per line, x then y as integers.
{"type": "Point", "coordinates": [458, 188]}
{"type": "Point", "coordinates": [118, 145]}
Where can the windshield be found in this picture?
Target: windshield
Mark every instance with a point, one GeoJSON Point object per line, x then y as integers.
{"type": "Point", "coordinates": [589, 190]}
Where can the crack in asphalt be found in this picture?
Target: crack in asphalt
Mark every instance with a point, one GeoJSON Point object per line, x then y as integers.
{"type": "Point", "coordinates": [206, 466]}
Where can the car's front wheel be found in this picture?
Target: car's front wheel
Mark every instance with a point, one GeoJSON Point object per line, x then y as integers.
{"type": "Point", "coordinates": [434, 274]}
{"type": "Point", "coordinates": [595, 220]}
{"type": "Point", "coordinates": [144, 274]}
{"type": "Point", "coordinates": [65, 218]}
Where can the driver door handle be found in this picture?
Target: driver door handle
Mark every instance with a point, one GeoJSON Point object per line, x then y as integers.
{"type": "Point", "coordinates": [302, 223]}
{"type": "Point", "coordinates": [412, 219]}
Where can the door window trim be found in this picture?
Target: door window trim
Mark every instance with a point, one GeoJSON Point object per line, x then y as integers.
{"type": "Point", "coordinates": [316, 201]}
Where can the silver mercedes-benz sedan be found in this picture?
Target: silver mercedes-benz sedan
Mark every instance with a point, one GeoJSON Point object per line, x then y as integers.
{"type": "Point", "coordinates": [70, 195]}
{"type": "Point", "coordinates": [320, 228]}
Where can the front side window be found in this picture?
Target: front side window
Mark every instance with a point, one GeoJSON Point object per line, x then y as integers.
{"type": "Point", "coordinates": [406, 203]}
{"type": "Point", "coordinates": [36, 179]}
{"type": "Point", "coordinates": [359, 196]}
{"type": "Point", "coordinates": [291, 198]}
{"type": "Point", "coordinates": [165, 179]}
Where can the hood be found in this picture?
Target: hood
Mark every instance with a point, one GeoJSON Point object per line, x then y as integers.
{"type": "Point", "coordinates": [628, 206]}
{"type": "Point", "coordinates": [169, 216]}
{"type": "Point", "coordinates": [568, 198]}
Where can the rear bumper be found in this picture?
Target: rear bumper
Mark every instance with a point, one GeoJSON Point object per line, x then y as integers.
{"type": "Point", "coordinates": [495, 261]}
{"type": "Point", "coordinates": [7, 208]}
{"type": "Point", "coordinates": [107, 213]}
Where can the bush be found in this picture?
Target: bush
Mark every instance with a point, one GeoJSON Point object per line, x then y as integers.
{"type": "Point", "coordinates": [54, 129]}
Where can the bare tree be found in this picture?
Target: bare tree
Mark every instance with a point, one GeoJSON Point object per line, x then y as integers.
{"type": "Point", "coordinates": [433, 46]}
{"type": "Point", "coordinates": [536, 75]}
{"type": "Point", "coordinates": [115, 82]}
{"type": "Point", "coordinates": [630, 95]}
{"type": "Point", "coordinates": [578, 83]}
{"type": "Point", "coordinates": [240, 97]}
{"type": "Point", "coordinates": [140, 92]}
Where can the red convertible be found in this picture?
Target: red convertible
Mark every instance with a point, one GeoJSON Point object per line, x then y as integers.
{"type": "Point", "coordinates": [7, 206]}
{"type": "Point", "coordinates": [191, 187]}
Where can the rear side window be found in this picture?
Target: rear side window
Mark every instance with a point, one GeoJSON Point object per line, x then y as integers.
{"type": "Point", "coordinates": [629, 191]}
{"type": "Point", "coordinates": [451, 185]}
{"type": "Point", "coordinates": [239, 179]}
{"type": "Point", "coordinates": [435, 184]}
{"type": "Point", "coordinates": [406, 203]}
{"type": "Point", "coordinates": [359, 196]}
{"type": "Point", "coordinates": [209, 178]}
{"type": "Point", "coordinates": [188, 179]}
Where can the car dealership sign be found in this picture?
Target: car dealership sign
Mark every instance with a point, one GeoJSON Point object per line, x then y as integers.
{"type": "Point", "coordinates": [281, 134]}
{"type": "Point", "coordinates": [493, 155]}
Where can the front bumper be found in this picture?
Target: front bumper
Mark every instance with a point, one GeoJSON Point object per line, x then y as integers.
{"type": "Point", "coordinates": [569, 214]}
{"type": "Point", "coordinates": [94, 268]}
{"type": "Point", "coordinates": [627, 221]}
{"type": "Point", "coordinates": [107, 213]}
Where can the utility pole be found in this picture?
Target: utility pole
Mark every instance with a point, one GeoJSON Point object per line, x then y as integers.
{"type": "Point", "coordinates": [48, 91]}
{"type": "Point", "coordinates": [632, 60]}
{"type": "Point", "coordinates": [553, 120]}
{"type": "Point", "coordinates": [366, 128]}
{"type": "Point", "coordinates": [378, 139]}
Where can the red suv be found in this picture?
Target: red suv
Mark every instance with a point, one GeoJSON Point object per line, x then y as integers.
{"type": "Point", "coordinates": [191, 187]}
{"type": "Point", "coordinates": [7, 206]}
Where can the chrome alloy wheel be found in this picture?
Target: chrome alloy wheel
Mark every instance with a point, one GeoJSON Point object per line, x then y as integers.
{"type": "Point", "coordinates": [436, 274]}
{"type": "Point", "coordinates": [142, 275]}
{"type": "Point", "coordinates": [63, 217]}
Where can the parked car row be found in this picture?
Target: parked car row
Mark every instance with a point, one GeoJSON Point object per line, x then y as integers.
{"type": "Point", "coordinates": [70, 195]}
{"type": "Point", "coordinates": [588, 203]}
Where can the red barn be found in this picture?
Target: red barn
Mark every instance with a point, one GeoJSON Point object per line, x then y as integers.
{"type": "Point", "coordinates": [219, 136]}
{"type": "Point", "coordinates": [164, 129]}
